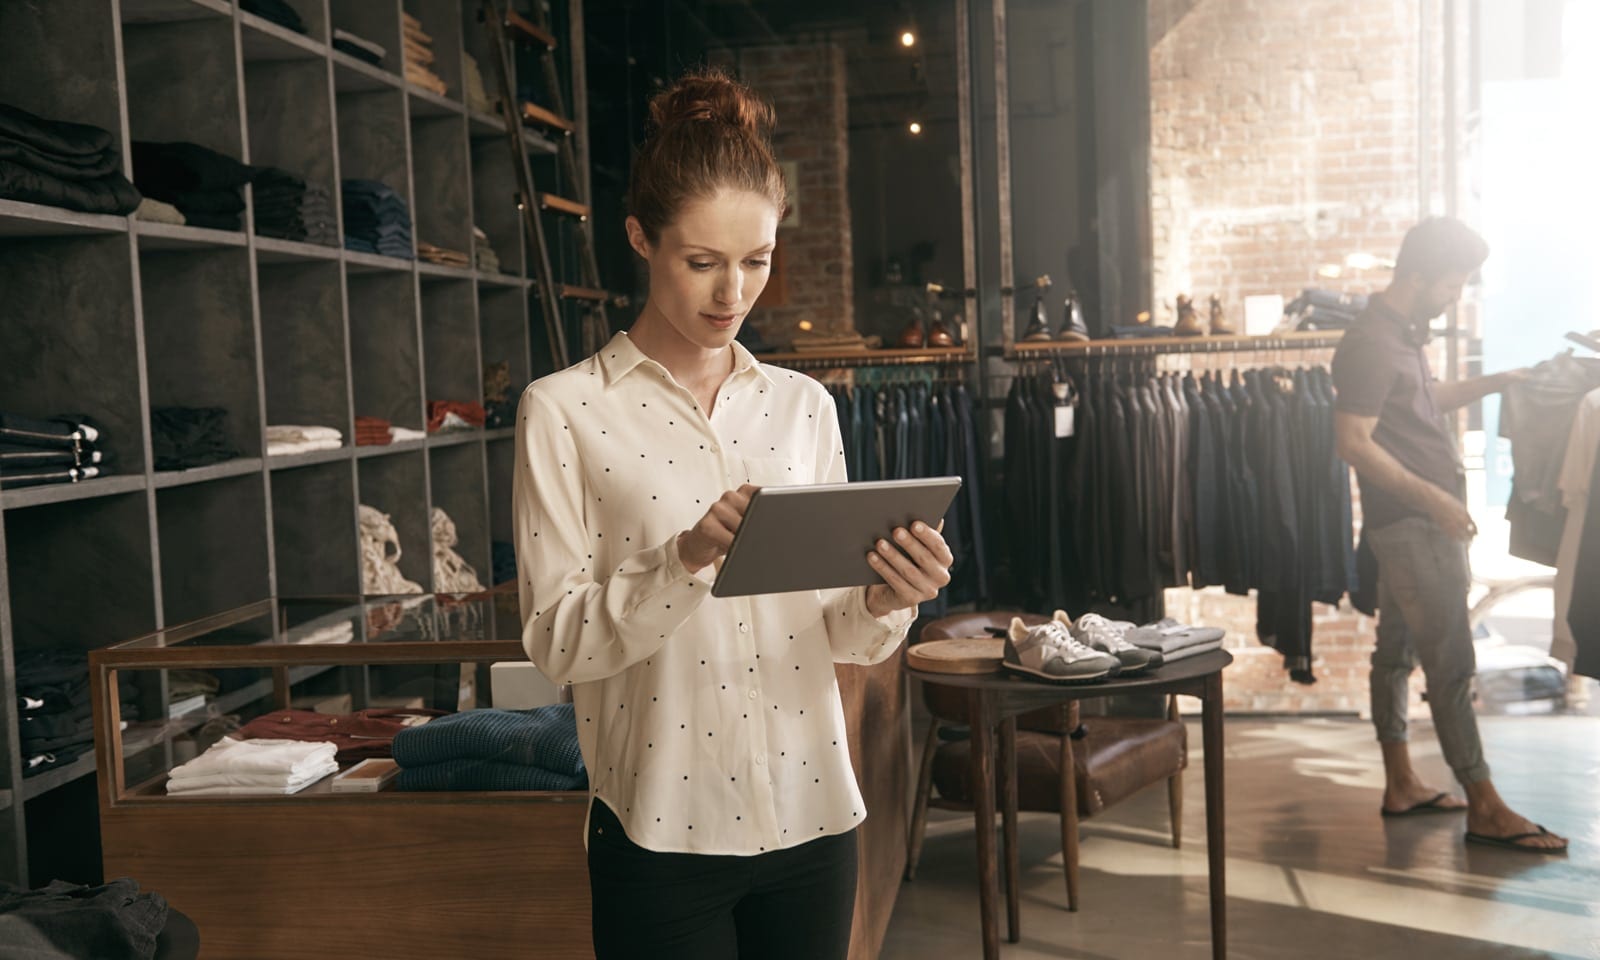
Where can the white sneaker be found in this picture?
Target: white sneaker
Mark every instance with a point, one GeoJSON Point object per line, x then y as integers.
{"type": "Point", "coordinates": [1049, 652]}
{"type": "Point", "coordinates": [1108, 636]}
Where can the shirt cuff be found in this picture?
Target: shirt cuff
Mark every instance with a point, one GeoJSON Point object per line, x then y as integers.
{"type": "Point", "coordinates": [894, 621]}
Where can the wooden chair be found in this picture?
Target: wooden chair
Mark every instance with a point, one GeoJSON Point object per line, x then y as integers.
{"type": "Point", "coordinates": [1112, 758]}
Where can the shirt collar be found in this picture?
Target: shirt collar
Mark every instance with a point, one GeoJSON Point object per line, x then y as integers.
{"type": "Point", "coordinates": [1415, 334]}
{"type": "Point", "coordinates": [619, 358]}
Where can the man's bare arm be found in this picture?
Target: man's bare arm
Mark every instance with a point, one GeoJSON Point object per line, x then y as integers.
{"type": "Point", "coordinates": [1377, 465]}
{"type": "Point", "coordinates": [1454, 394]}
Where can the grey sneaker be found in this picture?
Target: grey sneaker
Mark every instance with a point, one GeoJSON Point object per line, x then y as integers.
{"type": "Point", "coordinates": [1109, 636]}
{"type": "Point", "coordinates": [1049, 652]}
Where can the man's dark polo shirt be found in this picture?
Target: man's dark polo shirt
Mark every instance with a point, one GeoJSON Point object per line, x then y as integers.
{"type": "Point", "coordinates": [1380, 370]}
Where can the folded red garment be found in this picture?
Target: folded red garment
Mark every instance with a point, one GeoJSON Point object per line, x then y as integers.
{"type": "Point", "coordinates": [472, 413]}
{"type": "Point", "coordinates": [369, 733]}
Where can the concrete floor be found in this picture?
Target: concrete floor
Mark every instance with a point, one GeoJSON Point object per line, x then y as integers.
{"type": "Point", "coordinates": [1313, 871]}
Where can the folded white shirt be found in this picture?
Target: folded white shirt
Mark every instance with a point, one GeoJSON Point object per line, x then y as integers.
{"type": "Point", "coordinates": [1195, 650]}
{"type": "Point", "coordinates": [283, 448]}
{"type": "Point", "coordinates": [273, 781]}
{"type": "Point", "coordinates": [240, 791]}
{"type": "Point", "coordinates": [294, 433]}
{"type": "Point", "coordinates": [286, 758]}
{"type": "Point", "coordinates": [402, 434]}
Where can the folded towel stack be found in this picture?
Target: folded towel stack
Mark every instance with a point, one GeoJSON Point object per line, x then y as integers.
{"type": "Point", "coordinates": [284, 440]}
{"type": "Point", "coordinates": [493, 750]}
{"type": "Point", "coordinates": [419, 55]}
{"type": "Point", "coordinates": [290, 209]}
{"type": "Point", "coordinates": [60, 450]}
{"type": "Point", "coordinates": [253, 768]}
{"type": "Point", "coordinates": [69, 165]}
{"type": "Point", "coordinates": [202, 183]}
{"type": "Point", "coordinates": [376, 220]}
{"type": "Point", "coordinates": [372, 432]}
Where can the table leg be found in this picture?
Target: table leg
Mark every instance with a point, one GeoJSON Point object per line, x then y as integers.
{"type": "Point", "coordinates": [983, 819]}
{"type": "Point", "coordinates": [1216, 847]}
{"type": "Point", "coordinates": [1069, 809]}
{"type": "Point", "coordinates": [1008, 819]}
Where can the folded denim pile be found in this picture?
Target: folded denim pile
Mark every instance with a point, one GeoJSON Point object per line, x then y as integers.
{"type": "Point", "coordinates": [284, 440]}
{"type": "Point", "coordinates": [355, 736]}
{"type": "Point", "coordinates": [373, 432]}
{"type": "Point", "coordinates": [493, 750]}
{"type": "Point", "coordinates": [380, 556]}
{"type": "Point", "coordinates": [455, 415]}
{"type": "Point", "coordinates": [451, 572]}
{"type": "Point", "coordinates": [253, 768]}
{"type": "Point", "coordinates": [290, 209]}
{"type": "Point", "coordinates": [419, 57]}
{"type": "Point", "coordinates": [65, 920]}
{"type": "Point", "coordinates": [203, 184]}
{"type": "Point", "coordinates": [276, 11]}
{"type": "Point", "coordinates": [185, 437]}
{"type": "Point", "coordinates": [376, 220]}
{"type": "Point", "coordinates": [54, 712]}
{"type": "Point", "coordinates": [443, 256]}
{"type": "Point", "coordinates": [74, 166]}
{"type": "Point", "coordinates": [483, 254]}
{"type": "Point", "coordinates": [58, 450]}
{"type": "Point", "coordinates": [359, 47]}
{"type": "Point", "coordinates": [1325, 309]}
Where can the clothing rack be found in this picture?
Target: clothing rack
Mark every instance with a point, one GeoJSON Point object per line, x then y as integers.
{"type": "Point", "coordinates": [848, 359]}
{"type": "Point", "coordinates": [1161, 346]}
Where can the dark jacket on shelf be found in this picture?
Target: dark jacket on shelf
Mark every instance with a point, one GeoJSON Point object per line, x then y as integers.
{"type": "Point", "coordinates": [202, 183]}
{"type": "Point", "coordinates": [69, 165]}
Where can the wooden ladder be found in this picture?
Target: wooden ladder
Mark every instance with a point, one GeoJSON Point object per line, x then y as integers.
{"type": "Point", "coordinates": [505, 28]}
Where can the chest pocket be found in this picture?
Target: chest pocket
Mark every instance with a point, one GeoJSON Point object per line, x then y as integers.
{"type": "Point", "coordinates": [773, 471]}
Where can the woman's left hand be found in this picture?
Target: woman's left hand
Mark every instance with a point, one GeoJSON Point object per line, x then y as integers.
{"type": "Point", "coordinates": [914, 568]}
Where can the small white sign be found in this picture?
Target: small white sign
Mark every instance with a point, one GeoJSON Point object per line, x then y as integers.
{"type": "Point", "coordinates": [1262, 314]}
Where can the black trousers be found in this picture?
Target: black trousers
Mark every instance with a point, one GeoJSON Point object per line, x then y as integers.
{"type": "Point", "coordinates": [794, 904]}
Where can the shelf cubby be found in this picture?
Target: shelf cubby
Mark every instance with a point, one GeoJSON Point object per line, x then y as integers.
{"type": "Point", "coordinates": [200, 338]}
{"type": "Point", "coordinates": [397, 485]}
{"type": "Point", "coordinates": [289, 110]}
{"type": "Point", "coordinates": [377, 21]}
{"type": "Point", "coordinates": [214, 547]}
{"type": "Point", "coordinates": [384, 361]}
{"type": "Point", "coordinates": [450, 341]}
{"type": "Point", "coordinates": [303, 347]}
{"type": "Point", "coordinates": [61, 63]}
{"type": "Point", "coordinates": [183, 83]}
{"type": "Point", "coordinates": [456, 477]}
{"type": "Point", "coordinates": [494, 201]}
{"type": "Point", "coordinates": [503, 331]}
{"type": "Point", "coordinates": [313, 530]}
{"type": "Point", "coordinates": [442, 213]}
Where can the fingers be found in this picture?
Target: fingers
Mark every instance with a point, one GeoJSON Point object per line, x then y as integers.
{"type": "Point", "coordinates": [933, 539]}
{"type": "Point", "coordinates": [923, 576]}
{"type": "Point", "coordinates": [893, 580]}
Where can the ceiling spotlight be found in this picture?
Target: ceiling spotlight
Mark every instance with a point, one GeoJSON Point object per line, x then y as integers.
{"type": "Point", "coordinates": [916, 128]}
{"type": "Point", "coordinates": [908, 39]}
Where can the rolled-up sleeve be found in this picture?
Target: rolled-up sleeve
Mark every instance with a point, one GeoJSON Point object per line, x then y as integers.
{"type": "Point", "coordinates": [854, 634]}
{"type": "Point", "coordinates": [579, 625]}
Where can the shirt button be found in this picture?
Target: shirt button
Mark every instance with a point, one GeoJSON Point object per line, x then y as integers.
{"type": "Point", "coordinates": [761, 759]}
{"type": "Point", "coordinates": [752, 694]}
{"type": "Point", "coordinates": [744, 628]}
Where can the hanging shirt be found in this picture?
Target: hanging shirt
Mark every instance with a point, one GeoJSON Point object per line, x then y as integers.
{"type": "Point", "coordinates": [708, 725]}
{"type": "Point", "coordinates": [1577, 466]}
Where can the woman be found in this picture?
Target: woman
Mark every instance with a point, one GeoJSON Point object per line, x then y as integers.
{"type": "Point", "coordinates": [724, 806]}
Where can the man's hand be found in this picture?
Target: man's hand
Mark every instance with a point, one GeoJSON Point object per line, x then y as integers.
{"type": "Point", "coordinates": [709, 539]}
{"type": "Point", "coordinates": [914, 568]}
{"type": "Point", "coordinates": [1452, 517]}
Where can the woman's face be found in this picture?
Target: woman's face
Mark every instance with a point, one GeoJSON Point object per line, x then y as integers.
{"type": "Point", "coordinates": [711, 264]}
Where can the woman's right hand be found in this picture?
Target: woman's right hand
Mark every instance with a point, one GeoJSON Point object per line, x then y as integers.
{"type": "Point", "coordinates": [709, 539]}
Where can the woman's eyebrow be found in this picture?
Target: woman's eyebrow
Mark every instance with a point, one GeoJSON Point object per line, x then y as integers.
{"type": "Point", "coordinates": [764, 248]}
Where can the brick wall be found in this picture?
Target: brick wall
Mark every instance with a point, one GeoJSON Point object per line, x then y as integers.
{"type": "Point", "coordinates": [1284, 136]}
{"type": "Point", "coordinates": [806, 84]}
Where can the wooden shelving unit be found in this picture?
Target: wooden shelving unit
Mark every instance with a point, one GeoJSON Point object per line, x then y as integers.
{"type": "Point", "coordinates": [113, 316]}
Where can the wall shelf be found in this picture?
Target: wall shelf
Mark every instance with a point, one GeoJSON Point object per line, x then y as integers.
{"type": "Point", "coordinates": [165, 479]}
{"type": "Point", "coordinates": [67, 492]}
{"type": "Point", "coordinates": [18, 219]}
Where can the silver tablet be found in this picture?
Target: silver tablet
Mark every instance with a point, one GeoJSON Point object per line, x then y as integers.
{"type": "Point", "coordinates": [817, 537]}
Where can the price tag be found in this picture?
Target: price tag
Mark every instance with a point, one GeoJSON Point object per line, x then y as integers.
{"type": "Point", "coordinates": [1066, 421]}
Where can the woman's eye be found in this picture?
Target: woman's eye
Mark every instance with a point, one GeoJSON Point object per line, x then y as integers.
{"type": "Point", "coordinates": [756, 264]}
{"type": "Point", "coordinates": [700, 265]}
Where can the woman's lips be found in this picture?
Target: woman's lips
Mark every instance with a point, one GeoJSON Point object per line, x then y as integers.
{"type": "Point", "coordinates": [723, 321]}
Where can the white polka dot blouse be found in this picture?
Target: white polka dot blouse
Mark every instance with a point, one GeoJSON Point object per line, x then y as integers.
{"type": "Point", "coordinates": [709, 725]}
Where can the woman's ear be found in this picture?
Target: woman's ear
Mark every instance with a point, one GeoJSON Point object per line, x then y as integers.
{"type": "Point", "coordinates": [636, 238]}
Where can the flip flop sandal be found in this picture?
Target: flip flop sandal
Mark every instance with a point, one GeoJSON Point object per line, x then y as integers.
{"type": "Point", "coordinates": [1424, 808]}
{"type": "Point", "coordinates": [1512, 842]}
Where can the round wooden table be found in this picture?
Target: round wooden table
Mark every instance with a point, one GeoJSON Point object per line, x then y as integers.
{"type": "Point", "coordinates": [996, 699]}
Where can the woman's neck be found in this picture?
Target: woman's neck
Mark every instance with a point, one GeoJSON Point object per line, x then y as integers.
{"type": "Point", "coordinates": [689, 363]}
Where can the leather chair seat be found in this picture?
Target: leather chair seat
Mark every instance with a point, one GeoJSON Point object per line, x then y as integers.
{"type": "Point", "coordinates": [1118, 757]}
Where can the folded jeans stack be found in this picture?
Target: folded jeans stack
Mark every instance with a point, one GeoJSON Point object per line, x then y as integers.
{"type": "Point", "coordinates": [455, 415]}
{"type": "Point", "coordinates": [373, 432]}
{"type": "Point", "coordinates": [355, 736]}
{"type": "Point", "coordinates": [276, 11]}
{"type": "Point", "coordinates": [483, 254]}
{"type": "Point", "coordinates": [204, 184]}
{"type": "Point", "coordinates": [69, 165]}
{"type": "Point", "coordinates": [442, 255]}
{"type": "Point", "coordinates": [376, 220]}
{"type": "Point", "coordinates": [283, 440]}
{"type": "Point", "coordinates": [419, 56]}
{"type": "Point", "coordinates": [1325, 309]}
{"type": "Point", "coordinates": [451, 573]}
{"type": "Point", "coordinates": [380, 555]}
{"type": "Point", "coordinates": [290, 209]}
{"type": "Point", "coordinates": [493, 750]}
{"type": "Point", "coordinates": [54, 711]}
{"type": "Point", "coordinates": [58, 450]}
{"type": "Point", "coordinates": [253, 768]}
{"type": "Point", "coordinates": [359, 47]}
{"type": "Point", "coordinates": [184, 437]}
